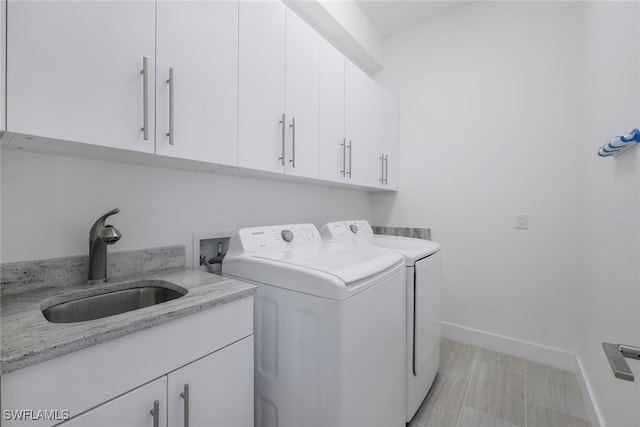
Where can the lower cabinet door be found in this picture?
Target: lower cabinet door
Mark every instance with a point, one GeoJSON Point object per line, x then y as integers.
{"type": "Point", "coordinates": [138, 408]}
{"type": "Point", "coordinates": [216, 390]}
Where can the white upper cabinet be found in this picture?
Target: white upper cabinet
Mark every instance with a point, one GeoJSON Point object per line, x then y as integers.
{"type": "Point", "coordinates": [261, 86]}
{"type": "Point", "coordinates": [3, 57]}
{"type": "Point", "coordinates": [197, 109]}
{"type": "Point", "coordinates": [358, 125]}
{"type": "Point", "coordinates": [363, 113]}
{"type": "Point", "coordinates": [389, 155]}
{"type": "Point", "coordinates": [332, 154]}
{"type": "Point", "coordinates": [74, 71]}
{"type": "Point", "coordinates": [301, 97]}
{"type": "Point", "coordinates": [278, 87]}
{"type": "Point", "coordinates": [242, 83]}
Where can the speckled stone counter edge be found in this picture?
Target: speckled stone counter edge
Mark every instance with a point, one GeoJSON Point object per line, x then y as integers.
{"type": "Point", "coordinates": [416, 233]}
{"type": "Point", "coordinates": [29, 275]}
{"type": "Point", "coordinates": [28, 339]}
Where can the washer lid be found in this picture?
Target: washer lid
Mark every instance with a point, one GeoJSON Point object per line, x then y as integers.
{"type": "Point", "coordinates": [321, 269]}
{"type": "Point", "coordinates": [349, 264]}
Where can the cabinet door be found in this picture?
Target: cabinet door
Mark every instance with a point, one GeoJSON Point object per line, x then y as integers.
{"type": "Point", "coordinates": [74, 71]}
{"type": "Point", "coordinates": [362, 126]}
{"type": "Point", "coordinates": [301, 100]}
{"type": "Point", "coordinates": [220, 389]}
{"type": "Point", "coordinates": [390, 142]}
{"type": "Point", "coordinates": [261, 85]}
{"type": "Point", "coordinates": [199, 41]}
{"type": "Point", "coordinates": [332, 148]}
{"type": "Point", "coordinates": [131, 410]}
{"type": "Point", "coordinates": [3, 57]}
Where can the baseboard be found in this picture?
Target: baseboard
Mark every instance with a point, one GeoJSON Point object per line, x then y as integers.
{"type": "Point", "coordinates": [525, 350]}
{"type": "Point", "coordinates": [585, 388]}
{"type": "Point", "coordinates": [529, 351]}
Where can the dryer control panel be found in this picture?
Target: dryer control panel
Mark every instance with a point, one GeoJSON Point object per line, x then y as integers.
{"type": "Point", "coordinates": [346, 229]}
{"type": "Point", "coordinates": [277, 236]}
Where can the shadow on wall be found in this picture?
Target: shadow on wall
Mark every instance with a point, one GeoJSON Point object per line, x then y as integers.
{"type": "Point", "coordinates": [382, 205]}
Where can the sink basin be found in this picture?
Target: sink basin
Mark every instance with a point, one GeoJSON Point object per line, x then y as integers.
{"type": "Point", "coordinates": [143, 293]}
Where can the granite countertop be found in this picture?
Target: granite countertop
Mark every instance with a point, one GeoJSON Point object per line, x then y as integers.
{"type": "Point", "coordinates": [28, 338]}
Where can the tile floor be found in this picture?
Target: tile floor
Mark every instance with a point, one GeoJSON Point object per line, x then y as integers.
{"type": "Point", "coordinates": [476, 387]}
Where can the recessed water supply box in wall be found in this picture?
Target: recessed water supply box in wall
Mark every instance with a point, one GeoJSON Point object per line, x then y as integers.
{"type": "Point", "coordinates": [209, 250]}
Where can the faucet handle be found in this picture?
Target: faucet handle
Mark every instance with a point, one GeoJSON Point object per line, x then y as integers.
{"type": "Point", "coordinates": [109, 234]}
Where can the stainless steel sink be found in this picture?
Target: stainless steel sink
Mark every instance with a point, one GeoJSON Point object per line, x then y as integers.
{"type": "Point", "coordinates": [143, 293]}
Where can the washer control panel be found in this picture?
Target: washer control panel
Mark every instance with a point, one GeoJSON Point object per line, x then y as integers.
{"type": "Point", "coordinates": [287, 235]}
{"type": "Point", "coordinates": [277, 236]}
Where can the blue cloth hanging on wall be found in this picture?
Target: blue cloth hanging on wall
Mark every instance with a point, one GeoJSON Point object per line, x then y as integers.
{"type": "Point", "coordinates": [619, 144]}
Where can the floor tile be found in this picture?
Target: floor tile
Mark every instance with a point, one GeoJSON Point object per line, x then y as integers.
{"type": "Point", "coordinates": [471, 417]}
{"type": "Point", "coordinates": [437, 418]}
{"type": "Point", "coordinates": [445, 398]}
{"type": "Point", "coordinates": [498, 392]}
{"type": "Point", "coordinates": [555, 389]}
{"type": "Point", "coordinates": [500, 360]}
{"type": "Point", "coordinates": [541, 416]}
{"type": "Point", "coordinates": [477, 387]}
{"type": "Point", "coordinates": [457, 359]}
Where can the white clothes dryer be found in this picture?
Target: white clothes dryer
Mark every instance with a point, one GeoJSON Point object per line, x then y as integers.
{"type": "Point", "coordinates": [329, 328]}
{"type": "Point", "coordinates": [423, 307]}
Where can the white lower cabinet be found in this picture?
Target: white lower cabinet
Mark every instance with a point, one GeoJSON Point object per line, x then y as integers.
{"type": "Point", "coordinates": [116, 383]}
{"type": "Point", "coordinates": [216, 390]}
{"type": "Point", "coordinates": [134, 409]}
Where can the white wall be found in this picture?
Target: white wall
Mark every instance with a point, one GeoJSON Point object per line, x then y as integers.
{"type": "Point", "coordinates": [490, 115]}
{"type": "Point", "coordinates": [503, 106]}
{"type": "Point", "coordinates": [611, 206]}
{"type": "Point", "coordinates": [50, 202]}
{"type": "Point", "coordinates": [345, 25]}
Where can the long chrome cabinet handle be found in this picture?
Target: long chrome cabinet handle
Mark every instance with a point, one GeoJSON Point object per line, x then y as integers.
{"type": "Point", "coordinates": [155, 412]}
{"type": "Point", "coordinates": [386, 169]}
{"type": "Point", "coordinates": [145, 97]}
{"type": "Point", "coordinates": [415, 292]}
{"type": "Point", "coordinates": [382, 169]}
{"type": "Point", "coordinates": [293, 142]}
{"type": "Point", "coordinates": [344, 157]}
{"type": "Point", "coordinates": [171, 83]}
{"type": "Point", "coordinates": [284, 124]}
{"type": "Point", "coordinates": [185, 396]}
{"type": "Point", "coordinates": [349, 148]}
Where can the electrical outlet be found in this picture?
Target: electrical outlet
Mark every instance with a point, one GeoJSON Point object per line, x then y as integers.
{"type": "Point", "coordinates": [522, 222]}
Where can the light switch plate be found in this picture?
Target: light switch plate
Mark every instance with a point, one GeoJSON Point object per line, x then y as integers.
{"type": "Point", "coordinates": [522, 222]}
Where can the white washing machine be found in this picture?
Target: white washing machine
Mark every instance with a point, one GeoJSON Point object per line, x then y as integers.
{"type": "Point", "coordinates": [329, 328]}
{"type": "Point", "coordinates": [423, 289]}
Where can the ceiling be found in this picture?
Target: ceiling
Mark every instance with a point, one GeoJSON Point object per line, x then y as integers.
{"type": "Point", "coordinates": [394, 16]}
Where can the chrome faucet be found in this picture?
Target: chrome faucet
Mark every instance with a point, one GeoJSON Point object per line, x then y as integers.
{"type": "Point", "coordinates": [100, 236]}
